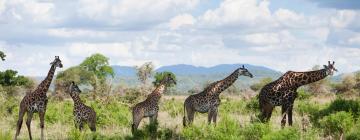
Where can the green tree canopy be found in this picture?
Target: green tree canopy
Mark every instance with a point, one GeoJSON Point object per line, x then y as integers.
{"type": "Point", "coordinates": [159, 76]}
{"type": "Point", "coordinates": [99, 65]}
{"type": "Point", "coordinates": [260, 84]}
{"type": "Point", "coordinates": [2, 55]}
{"type": "Point", "coordinates": [10, 78]}
{"type": "Point", "coordinates": [145, 71]}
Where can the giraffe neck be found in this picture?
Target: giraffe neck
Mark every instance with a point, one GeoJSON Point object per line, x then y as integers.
{"type": "Point", "coordinates": [219, 86]}
{"type": "Point", "coordinates": [304, 78]}
{"type": "Point", "coordinates": [45, 84]}
{"type": "Point", "coordinates": [75, 97]}
{"type": "Point", "coordinates": [159, 90]}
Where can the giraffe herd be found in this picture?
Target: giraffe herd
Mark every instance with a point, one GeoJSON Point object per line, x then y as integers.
{"type": "Point", "coordinates": [281, 92]}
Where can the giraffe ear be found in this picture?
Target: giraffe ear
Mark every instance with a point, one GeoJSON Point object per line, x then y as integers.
{"type": "Point", "coordinates": [333, 63]}
{"type": "Point", "coordinates": [243, 67]}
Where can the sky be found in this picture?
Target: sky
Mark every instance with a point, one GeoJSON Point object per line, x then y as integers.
{"type": "Point", "coordinates": [282, 35]}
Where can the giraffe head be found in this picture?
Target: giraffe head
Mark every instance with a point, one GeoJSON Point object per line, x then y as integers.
{"type": "Point", "coordinates": [245, 72]}
{"type": "Point", "coordinates": [73, 88]}
{"type": "Point", "coordinates": [168, 80]}
{"type": "Point", "coordinates": [57, 62]}
{"type": "Point", "coordinates": [330, 68]}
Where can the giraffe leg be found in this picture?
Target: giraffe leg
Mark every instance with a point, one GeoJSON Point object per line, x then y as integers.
{"type": "Point", "coordinates": [19, 122]}
{"type": "Point", "coordinates": [215, 115]}
{"type": "Point", "coordinates": [266, 111]}
{"type": "Point", "coordinates": [81, 125]}
{"type": "Point", "coordinates": [153, 119]}
{"type": "Point", "coordinates": [284, 111]}
{"type": "Point", "coordinates": [136, 122]}
{"type": "Point", "coordinates": [290, 121]}
{"type": "Point", "coordinates": [42, 117]}
{"type": "Point", "coordinates": [28, 123]}
{"type": "Point", "coordinates": [210, 115]}
{"type": "Point", "coordinates": [191, 113]}
{"type": "Point", "coordinates": [92, 124]}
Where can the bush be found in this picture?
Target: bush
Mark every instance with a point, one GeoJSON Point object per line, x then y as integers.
{"type": "Point", "coordinates": [338, 105]}
{"type": "Point", "coordinates": [232, 106]}
{"type": "Point", "coordinates": [337, 124]}
{"type": "Point", "coordinates": [284, 134]}
{"type": "Point", "coordinates": [253, 105]}
{"type": "Point", "coordinates": [227, 128]}
{"type": "Point", "coordinates": [174, 108]}
{"type": "Point", "coordinates": [255, 131]}
{"type": "Point", "coordinates": [303, 95]}
{"type": "Point", "coordinates": [354, 133]}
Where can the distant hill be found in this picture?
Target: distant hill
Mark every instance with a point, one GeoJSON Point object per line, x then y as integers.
{"type": "Point", "coordinates": [189, 70]}
{"type": "Point", "coordinates": [190, 76]}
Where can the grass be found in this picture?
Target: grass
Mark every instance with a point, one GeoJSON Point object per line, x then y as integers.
{"type": "Point", "coordinates": [234, 120]}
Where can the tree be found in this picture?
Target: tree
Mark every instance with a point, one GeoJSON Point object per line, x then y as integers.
{"type": "Point", "coordinates": [320, 86]}
{"type": "Point", "coordinates": [99, 65]}
{"type": "Point", "coordinates": [159, 76]}
{"type": "Point", "coordinates": [145, 71]}
{"type": "Point", "coordinates": [10, 78]}
{"type": "Point", "coordinates": [75, 74]}
{"type": "Point", "coordinates": [2, 56]}
{"type": "Point", "coordinates": [260, 84]}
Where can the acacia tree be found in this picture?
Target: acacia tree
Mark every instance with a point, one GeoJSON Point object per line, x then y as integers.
{"type": "Point", "coordinates": [159, 76]}
{"type": "Point", "coordinates": [93, 71]}
{"type": "Point", "coordinates": [2, 56]}
{"type": "Point", "coordinates": [144, 72]}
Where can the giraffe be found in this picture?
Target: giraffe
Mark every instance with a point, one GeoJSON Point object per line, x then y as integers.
{"type": "Point", "coordinates": [282, 92]}
{"type": "Point", "coordinates": [150, 107]}
{"type": "Point", "coordinates": [36, 101]}
{"type": "Point", "coordinates": [208, 100]}
{"type": "Point", "coordinates": [82, 113]}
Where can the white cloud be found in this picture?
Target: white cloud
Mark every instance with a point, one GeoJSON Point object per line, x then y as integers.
{"type": "Point", "coordinates": [343, 18]}
{"type": "Point", "coordinates": [181, 20]}
{"type": "Point", "coordinates": [238, 13]}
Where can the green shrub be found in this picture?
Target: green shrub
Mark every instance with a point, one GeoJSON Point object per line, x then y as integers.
{"type": "Point", "coordinates": [306, 107]}
{"type": "Point", "coordinates": [283, 134]}
{"type": "Point", "coordinates": [303, 95]}
{"type": "Point", "coordinates": [173, 107]}
{"type": "Point", "coordinates": [227, 128]}
{"type": "Point", "coordinates": [6, 135]}
{"type": "Point", "coordinates": [338, 105]}
{"type": "Point", "coordinates": [255, 131]}
{"type": "Point", "coordinates": [337, 124]}
{"type": "Point", "coordinates": [233, 106]}
{"type": "Point", "coordinates": [355, 132]}
{"type": "Point", "coordinates": [253, 105]}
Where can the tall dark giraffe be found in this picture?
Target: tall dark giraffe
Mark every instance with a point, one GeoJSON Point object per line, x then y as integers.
{"type": "Point", "coordinates": [208, 100]}
{"type": "Point", "coordinates": [282, 92]}
{"type": "Point", "coordinates": [36, 101]}
{"type": "Point", "coordinates": [150, 107]}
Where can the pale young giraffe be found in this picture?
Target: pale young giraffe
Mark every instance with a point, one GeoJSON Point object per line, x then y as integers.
{"type": "Point", "coordinates": [282, 92]}
{"type": "Point", "coordinates": [208, 100]}
{"type": "Point", "coordinates": [150, 107]}
{"type": "Point", "coordinates": [36, 101]}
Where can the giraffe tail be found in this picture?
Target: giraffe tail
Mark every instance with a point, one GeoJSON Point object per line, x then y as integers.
{"type": "Point", "coordinates": [184, 118]}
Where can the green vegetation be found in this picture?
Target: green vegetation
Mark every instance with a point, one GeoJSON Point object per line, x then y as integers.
{"type": "Point", "coordinates": [159, 76]}
{"type": "Point", "coordinates": [315, 116]}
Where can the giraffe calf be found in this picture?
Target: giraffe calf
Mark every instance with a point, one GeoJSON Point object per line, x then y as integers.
{"type": "Point", "coordinates": [82, 113]}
